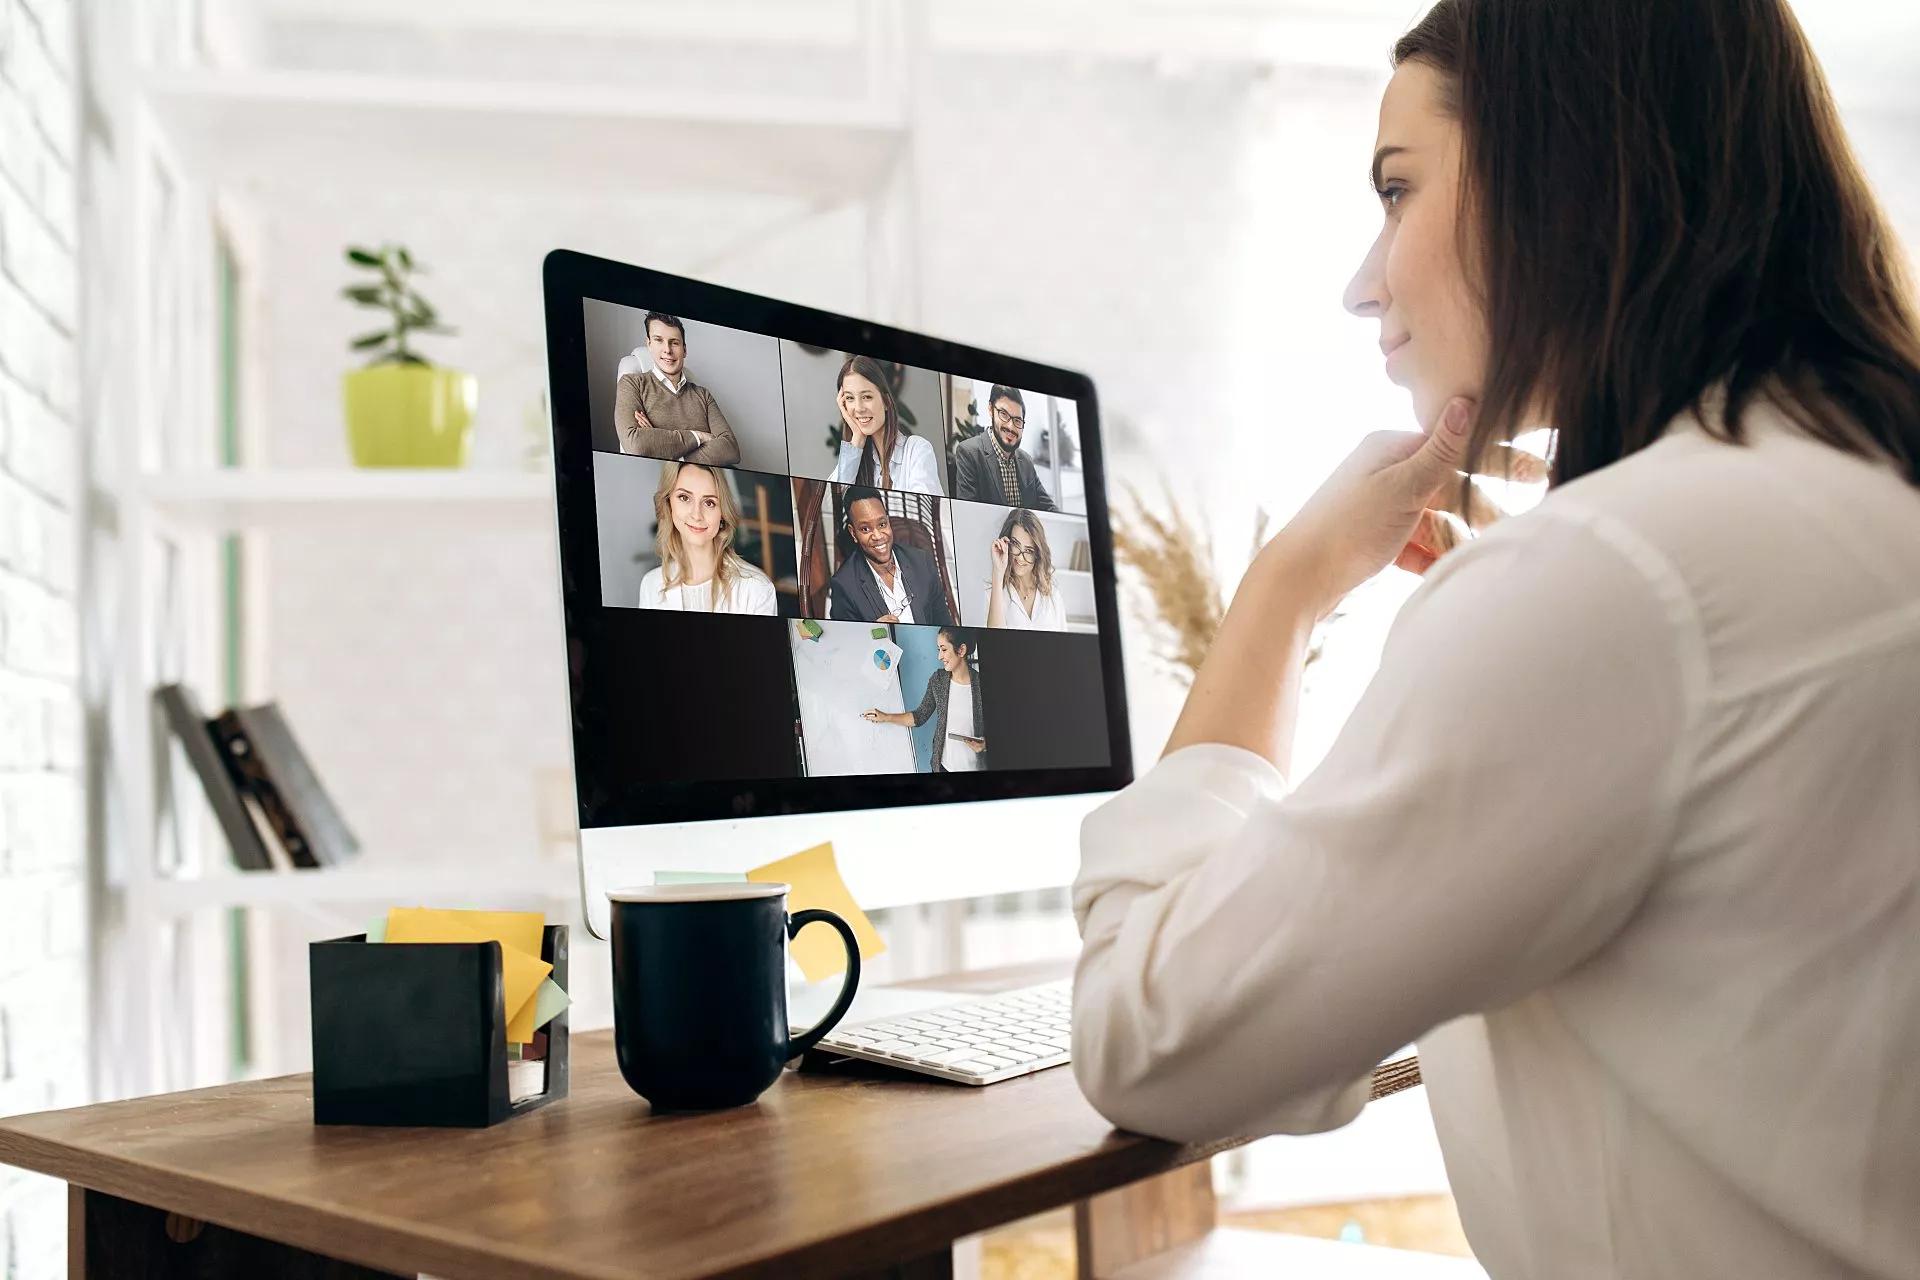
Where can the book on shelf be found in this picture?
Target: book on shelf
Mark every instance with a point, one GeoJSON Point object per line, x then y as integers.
{"type": "Point", "coordinates": [262, 750]}
{"type": "Point", "coordinates": [208, 758]}
{"type": "Point", "coordinates": [269, 801]}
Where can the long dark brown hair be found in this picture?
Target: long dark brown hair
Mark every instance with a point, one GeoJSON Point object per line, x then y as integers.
{"type": "Point", "coordinates": [876, 463]}
{"type": "Point", "coordinates": [1658, 198]}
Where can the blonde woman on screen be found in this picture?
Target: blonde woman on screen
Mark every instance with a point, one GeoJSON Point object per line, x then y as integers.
{"type": "Point", "coordinates": [1022, 597]}
{"type": "Point", "coordinates": [699, 570]}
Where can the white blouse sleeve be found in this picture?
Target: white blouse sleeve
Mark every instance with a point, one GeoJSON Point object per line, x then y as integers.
{"type": "Point", "coordinates": [1491, 814]}
{"type": "Point", "coordinates": [757, 595]}
{"type": "Point", "coordinates": [847, 465]}
{"type": "Point", "coordinates": [918, 470]}
{"type": "Point", "coordinates": [651, 596]}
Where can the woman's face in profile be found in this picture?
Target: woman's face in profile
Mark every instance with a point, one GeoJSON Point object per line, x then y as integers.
{"type": "Point", "coordinates": [860, 404]}
{"type": "Point", "coordinates": [949, 656]}
{"type": "Point", "coordinates": [1412, 281]}
{"type": "Point", "coordinates": [696, 506]}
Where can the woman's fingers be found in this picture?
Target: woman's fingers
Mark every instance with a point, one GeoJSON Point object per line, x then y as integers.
{"type": "Point", "coordinates": [1506, 463]}
{"type": "Point", "coordinates": [1521, 466]}
{"type": "Point", "coordinates": [1470, 503]}
{"type": "Point", "coordinates": [1435, 534]}
{"type": "Point", "coordinates": [1416, 559]}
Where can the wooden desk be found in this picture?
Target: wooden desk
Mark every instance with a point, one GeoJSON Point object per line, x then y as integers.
{"type": "Point", "coordinates": [825, 1176]}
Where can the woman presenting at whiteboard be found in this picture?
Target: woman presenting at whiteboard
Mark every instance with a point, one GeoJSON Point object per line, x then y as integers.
{"type": "Point", "coordinates": [953, 699]}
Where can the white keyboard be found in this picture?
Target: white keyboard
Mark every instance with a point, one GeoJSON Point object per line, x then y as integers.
{"type": "Point", "coordinates": [979, 1042]}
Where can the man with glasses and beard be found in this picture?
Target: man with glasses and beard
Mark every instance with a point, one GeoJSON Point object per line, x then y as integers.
{"type": "Point", "coordinates": [990, 466]}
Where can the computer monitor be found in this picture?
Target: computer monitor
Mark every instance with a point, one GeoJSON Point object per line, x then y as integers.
{"type": "Point", "coordinates": [780, 532]}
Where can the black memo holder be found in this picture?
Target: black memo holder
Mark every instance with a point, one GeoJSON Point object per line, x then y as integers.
{"type": "Point", "coordinates": [414, 1033]}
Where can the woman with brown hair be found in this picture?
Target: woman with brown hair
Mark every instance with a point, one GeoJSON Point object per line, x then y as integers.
{"type": "Point", "coordinates": [1021, 595]}
{"type": "Point", "coordinates": [1626, 830]}
{"type": "Point", "coordinates": [875, 446]}
{"type": "Point", "coordinates": [699, 571]}
{"type": "Point", "coordinates": [953, 701]}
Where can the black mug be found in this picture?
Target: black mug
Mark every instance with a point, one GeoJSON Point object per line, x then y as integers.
{"type": "Point", "coordinates": [700, 990]}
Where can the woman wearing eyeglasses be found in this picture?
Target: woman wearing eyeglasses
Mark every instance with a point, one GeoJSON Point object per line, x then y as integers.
{"type": "Point", "coordinates": [1022, 596]}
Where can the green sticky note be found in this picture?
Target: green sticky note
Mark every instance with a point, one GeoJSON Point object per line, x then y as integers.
{"type": "Point", "coordinates": [811, 629]}
{"type": "Point", "coordinates": [698, 877]}
{"type": "Point", "coordinates": [879, 633]}
{"type": "Point", "coordinates": [377, 931]}
{"type": "Point", "coordinates": [548, 1001]}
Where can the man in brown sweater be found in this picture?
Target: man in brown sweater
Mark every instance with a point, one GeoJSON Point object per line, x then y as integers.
{"type": "Point", "coordinates": [667, 415]}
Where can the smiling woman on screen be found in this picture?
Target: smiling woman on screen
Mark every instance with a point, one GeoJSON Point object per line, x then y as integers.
{"type": "Point", "coordinates": [1626, 830]}
{"type": "Point", "coordinates": [875, 446]}
{"type": "Point", "coordinates": [699, 570]}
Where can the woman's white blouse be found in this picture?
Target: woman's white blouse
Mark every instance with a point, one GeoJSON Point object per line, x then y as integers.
{"type": "Point", "coordinates": [752, 593]}
{"type": "Point", "coordinates": [914, 466]}
{"type": "Point", "coordinates": [1626, 831]}
{"type": "Point", "coordinates": [1047, 614]}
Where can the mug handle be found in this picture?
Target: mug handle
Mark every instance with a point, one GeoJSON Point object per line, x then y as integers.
{"type": "Point", "coordinates": [797, 1045]}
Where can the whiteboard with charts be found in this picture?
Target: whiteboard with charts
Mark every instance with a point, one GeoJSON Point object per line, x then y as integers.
{"type": "Point", "coordinates": [840, 670]}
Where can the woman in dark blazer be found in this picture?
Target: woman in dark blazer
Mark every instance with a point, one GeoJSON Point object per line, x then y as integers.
{"type": "Point", "coordinates": [959, 722]}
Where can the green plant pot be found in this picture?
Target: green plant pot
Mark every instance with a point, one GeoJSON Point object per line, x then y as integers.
{"type": "Point", "coordinates": [409, 415]}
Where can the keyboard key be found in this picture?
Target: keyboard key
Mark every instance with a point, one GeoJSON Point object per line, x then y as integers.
{"type": "Point", "coordinates": [949, 1057]}
{"type": "Point", "coordinates": [972, 1068]}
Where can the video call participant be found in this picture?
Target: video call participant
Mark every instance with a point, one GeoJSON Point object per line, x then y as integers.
{"type": "Point", "coordinates": [699, 570]}
{"type": "Point", "coordinates": [884, 583]}
{"type": "Point", "coordinates": [875, 446]}
{"type": "Point", "coordinates": [664, 413]}
{"type": "Point", "coordinates": [990, 467]}
{"type": "Point", "coordinates": [959, 719]}
{"type": "Point", "coordinates": [1021, 596]}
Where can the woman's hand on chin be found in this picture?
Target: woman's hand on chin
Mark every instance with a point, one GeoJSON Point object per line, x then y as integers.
{"type": "Point", "coordinates": [1374, 508]}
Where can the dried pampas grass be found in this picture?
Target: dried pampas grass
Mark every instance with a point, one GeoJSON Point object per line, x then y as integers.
{"type": "Point", "coordinates": [1174, 558]}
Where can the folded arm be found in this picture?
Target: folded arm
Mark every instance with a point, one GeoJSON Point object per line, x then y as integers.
{"type": "Point", "coordinates": [647, 441]}
{"type": "Point", "coordinates": [720, 449]}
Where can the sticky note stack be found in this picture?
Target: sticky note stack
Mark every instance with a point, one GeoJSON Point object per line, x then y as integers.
{"type": "Point", "coordinates": [814, 881]}
{"type": "Point", "coordinates": [532, 997]}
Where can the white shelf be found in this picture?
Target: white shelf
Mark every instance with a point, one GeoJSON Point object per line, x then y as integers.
{"type": "Point", "coordinates": [328, 129]}
{"type": "Point", "coordinates": [541, 882]}
{"type": "Point", "coordinates": [244, 498]}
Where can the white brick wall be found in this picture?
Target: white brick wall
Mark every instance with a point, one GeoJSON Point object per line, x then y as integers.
{"type": "Point", "coordinates": [43, 894]}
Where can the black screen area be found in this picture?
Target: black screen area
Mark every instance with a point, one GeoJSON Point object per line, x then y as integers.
{"type": "Point", "coordinates": [1045, 698]}
{"type": "Point", "coordinates": [710, 697]}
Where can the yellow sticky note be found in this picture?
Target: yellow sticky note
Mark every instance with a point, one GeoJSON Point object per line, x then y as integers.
{"type": "Point", "coordinates": [520, 929]}
{"type": "Point", "coordinates": [815, 878]}
{"type": "Point", "coordinates": [521, 970]}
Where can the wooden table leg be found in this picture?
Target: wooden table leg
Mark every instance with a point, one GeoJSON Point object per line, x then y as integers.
{"type": "Point", "coordinates": [111, 1237]}
{"type": "Point", "coordinates": [1117, 1229]}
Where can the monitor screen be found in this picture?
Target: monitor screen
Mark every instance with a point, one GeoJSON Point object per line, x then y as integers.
{"type": "Point", "coordinates": [813, 564]}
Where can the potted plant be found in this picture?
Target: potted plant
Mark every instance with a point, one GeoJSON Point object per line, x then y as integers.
{"type": "Point", "coordinates": [402, 410]}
